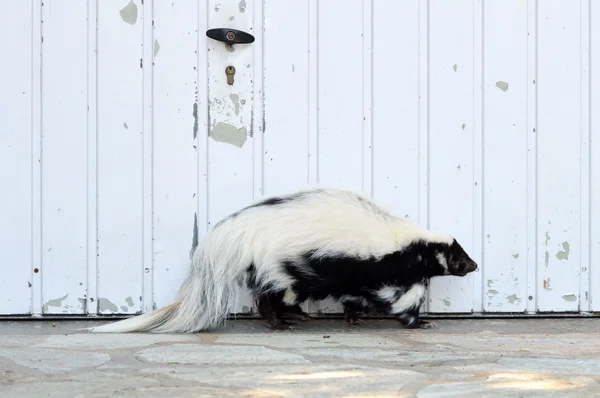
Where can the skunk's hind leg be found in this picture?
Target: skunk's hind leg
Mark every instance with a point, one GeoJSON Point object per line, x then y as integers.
{"type": "Point", "coordinates": [352, 311]}
{"type": "Point", "coordinates": [411, 320]}
{"type": "Point", "coordinates": [271, 307]}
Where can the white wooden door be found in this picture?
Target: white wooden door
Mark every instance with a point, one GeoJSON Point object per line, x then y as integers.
{"type": "Point", "coordinates": [121, 141]}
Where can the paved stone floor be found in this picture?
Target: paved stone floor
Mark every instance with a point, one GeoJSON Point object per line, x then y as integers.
{"type": "Point", "coordinates": [321, 358]}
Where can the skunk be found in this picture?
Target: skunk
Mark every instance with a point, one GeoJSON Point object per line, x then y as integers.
{"type": "Point", "coordinates": [312, 244]}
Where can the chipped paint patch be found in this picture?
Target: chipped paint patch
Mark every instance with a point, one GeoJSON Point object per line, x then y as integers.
{"type": "Point", "coordinates": [490, 282]}
{"type": "Point", "coordinates": [502, 85]}
{"type": "Point", "coordinates": [455, 67]}
{"type": "Point", "coordinates": [229, 48]}
{"type": "Point", "coordinates": [564, 253]}
{"type": "Point", "coordinates": [492, 292]}
{"type": "Point", "coordinates": [125, 125]}
{"type": "Point", "coordinates": [231, 18]}
{"type": "Point", "coordinates": [106, 305]}
{"type": "Point", "coordinates": [570, 297]}
{"type": "Point", "coordinates": [235, 100]}
{"type": "Point", "coordinates": [123, 308]}
{"type": "Point", "coordinates": [513, 299]}
{"type": "Point", "coordinates": [195, 115]}
{"type": "Point", "coordinates": [546, 258]}
{"type": "Point", "coordinates": [156, 47]}
{"type": "Point", "coordinates": [129, 301]}
{"type": "Point", "coordinates": [83, 303]}
{"type": "Point", "coordinates": [242, 6]}
{"type": "Point", "coordinates": [227, 133]}
{"type": "Point", "coordinates": [129, 13]}
{"type": "Point", "coordinates": [245, 309]}
{"type": "Point", "coordinates": [194, 235]}
{"type": "Point", "coordinates": [446, 302]}
{"type": "Point", "coordinates": [293, 68]}
{"type": "Point", "coordinates": [54, 303]}
{"type": "Point", "coordinates": [547, 239]}
{"type": "Point", "coordinates": [516, 255]}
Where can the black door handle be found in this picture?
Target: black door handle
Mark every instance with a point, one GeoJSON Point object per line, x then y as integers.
{"type": "Point", "coordinates": [230, 36]}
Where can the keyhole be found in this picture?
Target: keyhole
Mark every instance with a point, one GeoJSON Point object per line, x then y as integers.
{"type": "Point", "coordinates": [230, 71]}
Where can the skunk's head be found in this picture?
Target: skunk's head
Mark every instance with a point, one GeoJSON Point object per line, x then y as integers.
{"type": "Point", "coordinates": [455, 261]}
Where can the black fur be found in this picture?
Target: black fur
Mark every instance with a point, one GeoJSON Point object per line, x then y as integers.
{"type": "Point", "coordinates": [319, 278]}
{"type": "Point", "coordinates": [272, 201]}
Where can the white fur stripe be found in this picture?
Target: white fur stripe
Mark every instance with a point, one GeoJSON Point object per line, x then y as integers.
{"type": "Point", "coordinates": [409, 299]}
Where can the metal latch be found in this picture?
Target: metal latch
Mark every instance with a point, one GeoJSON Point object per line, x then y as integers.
{"type": "Point", "coordinates": [230, 36]}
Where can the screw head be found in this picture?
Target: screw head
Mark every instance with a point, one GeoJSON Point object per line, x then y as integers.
{"type": "Point", "coordinates": [230, 36]}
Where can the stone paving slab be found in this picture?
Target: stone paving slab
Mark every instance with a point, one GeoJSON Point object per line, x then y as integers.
{"type": "Point", "coordinates": [198, 354]}
{"type": "Point", "coordinates": [316, 380]}
{"type": "Point", "coordinates": [321, 358]}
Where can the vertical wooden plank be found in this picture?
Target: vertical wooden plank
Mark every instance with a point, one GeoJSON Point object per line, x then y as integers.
{"type": "Point", "coordinates": [64, 145]}
{"type": "Point", "coordinates": [257, 114]}
{"type": "Point", "coordinates": [120, 156]}
{"type": "Point", "coordinates": [92, 157]}
{"type": "Point", "coordinates": [340, 94]}
{"type": "Point", "coordinates": [595, 160]}
{"type": "Point", "coordinates": [585, 170]}
{"type": "Point", "coordinates": [396, 107]}
{"type": "Point", "coordinates": [230, 146]}
{"type": "Point", "coordinates": [16, 157]}
{"type": "Point", "coordinates": [532, 183]}
{"type": "Point", "coordinates": [36, 158]}
{"type": "Point", "coordinates": [313, 92]}
{"type": "Point", "coordinates": [148, 46]}
{"type": "Point", "coordinates": [478, 166]}
{"type": "Point", "coordinates": [176, 109]}
{"type": "Point", "coordinates": [286, 116]}
{"type": "Point", "coordinates": [451, 126]}
{"type": "Point", "coordinates": [423, 115]}
{"type": "Point", "coordinates": [202, 114]}
{"type": "Point", "coordinates": [367, 96]}
{"type": "Point", "coordinates": [505, 132]}
{"type": "Point", "coordinates": [559, 207]}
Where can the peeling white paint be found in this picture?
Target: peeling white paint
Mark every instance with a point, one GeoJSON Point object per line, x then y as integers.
{"type": "Point", "coordinates": [502, 85]}
{"type": "Point", "coordinates": [156, 47]}
{"type": "Point", "coordinates": [54, 303]}
{"type": "Point", "coordinates": [227, 133]}
{"type": "Point", "coordinates": [129, 13]}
